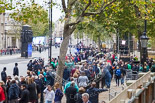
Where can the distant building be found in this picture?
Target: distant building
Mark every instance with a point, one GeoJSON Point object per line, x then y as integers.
{"type": "Point", "coordinates": [13, 30]}
{"type": "Point", "coordinates": [2, 31]}
{"type": "Point", "coordinates": [9, 32]}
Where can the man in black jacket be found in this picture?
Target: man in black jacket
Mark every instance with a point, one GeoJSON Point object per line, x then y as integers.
{"type": "Point", "coordinates": [13, 93]}
{"type": "Point", "coordinates": [94, 93]}
{"type": "Point", "coordinates": [70, 93]}
{"type": "Point", "coordinates": [4, 75]}
{"type": "Point", "coordinates": [29, 65]}
{"type": "Point", "coordinates": [15, 70]}
{"type": "Point", "coordinates": [24, 95]}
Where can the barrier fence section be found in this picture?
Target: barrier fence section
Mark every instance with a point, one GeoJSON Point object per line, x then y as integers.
{"type": "Point", "coordinates": [142, 91]}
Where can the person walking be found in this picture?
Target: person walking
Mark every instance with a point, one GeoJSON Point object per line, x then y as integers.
{"type": "Point", "coordinates": [24, 94]}
{"type": "Point", "coordinates": [49, 94]}
{"type": "Point", "coordinates": [123, 71]}
{"type": "Point", "coordinates": [29, 65]}
{"type": "Point", "coordinates": [117, 75]}
{"type": "Point", "coordinates": [4, 75]}
{"type": "Point", "coordinates": [107, 76]}
{"type": "Point", "coordinates": [15, 70]}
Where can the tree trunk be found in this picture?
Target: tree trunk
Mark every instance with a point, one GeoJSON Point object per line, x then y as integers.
{"type": "Point", "coordinates": [63, 51]}
{"type": "Point", "coordinates": [99, 43]}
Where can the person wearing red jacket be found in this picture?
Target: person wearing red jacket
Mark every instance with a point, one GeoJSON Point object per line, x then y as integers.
{"type": "Point", "coordinates": [2, 94]}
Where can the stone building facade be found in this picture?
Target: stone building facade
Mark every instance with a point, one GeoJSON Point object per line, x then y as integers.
{"type": "Point", "coordinates": [9, 32]}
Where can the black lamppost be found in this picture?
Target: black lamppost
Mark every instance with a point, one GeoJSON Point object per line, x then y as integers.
{"type": "Point", "coordinates": [50, 29]}
{"type": "Point", "coordinates": [144, 41]}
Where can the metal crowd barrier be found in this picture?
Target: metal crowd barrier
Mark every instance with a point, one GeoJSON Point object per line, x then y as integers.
{"type": "Point", "coordinates": [139, 91]}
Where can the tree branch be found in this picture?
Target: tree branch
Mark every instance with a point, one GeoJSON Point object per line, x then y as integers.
{"type": "Point", "coordinates": [71, 3]}
{"type": "Point", "coordinates": [78, 20]}
{"type": "Point", "coordinates": [86, 8]}
{"type": "Point", "coordinates": [101, 9]}
{"type": "Point", "coordinates": [64, 6]}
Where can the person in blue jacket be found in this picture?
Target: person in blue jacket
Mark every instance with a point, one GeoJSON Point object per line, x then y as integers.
{"type": "Point", "coordinates": [94, 93]}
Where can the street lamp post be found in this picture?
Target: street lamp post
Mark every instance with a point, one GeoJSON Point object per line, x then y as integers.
{"type": "Point", "coordinates": [50, 29]}
{"type": "Point", "coordinates": [144, 41]}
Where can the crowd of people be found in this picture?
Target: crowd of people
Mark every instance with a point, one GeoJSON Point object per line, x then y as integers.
{"type": "Point", "coordinates": [9, 51]}
{"type": "Point", "coordinates": [80, 83]}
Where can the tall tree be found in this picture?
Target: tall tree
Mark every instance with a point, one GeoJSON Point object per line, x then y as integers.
{"type": "Point", "coordinates": [75, 12]}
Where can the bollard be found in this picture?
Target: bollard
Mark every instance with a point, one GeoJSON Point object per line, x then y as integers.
{"type": "Point", "coordinates": [129, 93]}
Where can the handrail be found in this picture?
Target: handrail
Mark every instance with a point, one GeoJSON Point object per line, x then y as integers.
{"type": "Point", "coordinates": [113, 92]}
{"type": "Point", "coordinates": [123, 95]}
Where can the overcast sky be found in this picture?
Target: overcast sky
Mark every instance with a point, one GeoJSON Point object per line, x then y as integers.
{"type": "Point", "coordinates": [56, 11]}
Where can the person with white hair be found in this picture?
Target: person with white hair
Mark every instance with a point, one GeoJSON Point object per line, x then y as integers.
{"type": "Point", "coordinates": [85, 98]}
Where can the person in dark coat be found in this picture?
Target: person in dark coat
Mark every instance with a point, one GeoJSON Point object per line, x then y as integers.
{"type": "Point", "coordinates": [40, 83]}
{"type": "Point", "coordinates": [58, 93]}
{"type": "Point", "coordinates": [32, 87]}
{"type": "Point", "coordinates": [123, 70]}
{"type": "Point", "coordinates": [49, 77]}
{"type": "Point", "coordinates": [36, 67]}
{"type": "Point", "coordinates": [22, 81]}
{"type": "Point", "coordinates": [66, 75]}
{"type": "Point", "coordinates": [107, 77]}
{"type": "Point", "coordinates": [15, 70]}
{"type": "Point", "coordinates": [24, 95]}
{"type": "Point", "coordinates": [13, 92]}
{"type": "Point", "coordinates": [29, 65]}
{"type": "Point", "coordinates": [94, 93]}
{"type": "Point", "coordinates": [4, 75]}
{"type": "Point", "coordinates": [70, 93]}
{"type": "Point", "coordinates": [78, 96]}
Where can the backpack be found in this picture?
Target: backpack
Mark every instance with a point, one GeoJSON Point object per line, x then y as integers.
{"type": "Point", "coordinates": [118, 72]}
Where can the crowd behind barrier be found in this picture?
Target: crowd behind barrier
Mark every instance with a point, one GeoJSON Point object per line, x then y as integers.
{"type": "Point", "coordinates": [12, 51]}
